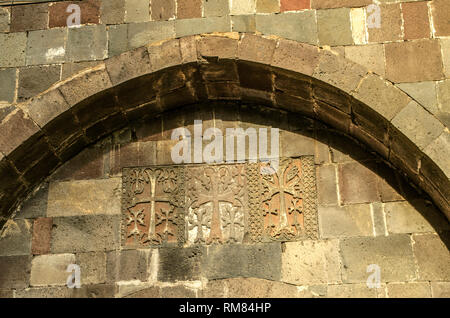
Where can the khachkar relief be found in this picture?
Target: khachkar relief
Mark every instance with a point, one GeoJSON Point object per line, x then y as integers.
{"type": "Point", "coordinates": [153, 204]}
{"type": "Point", "coordinates": [219, 204]}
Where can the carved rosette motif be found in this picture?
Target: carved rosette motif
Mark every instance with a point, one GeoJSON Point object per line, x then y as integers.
{"type": "Point", "coordinates": [153, 204]}
{"type": "Point", "coordinates": [219, 204]}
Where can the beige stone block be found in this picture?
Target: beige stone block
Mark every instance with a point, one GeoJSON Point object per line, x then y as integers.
{"type": "Point", "coordinates": [370, 56]}
{"type": "Point", "coordinates": [440, 289]}
{"type": "Point", "coordinates": [334, 27]}
{"type": "Point", "coordinates": [137, 10]}
{"type": "Point", "coordinates": [423, 92]}
{"type": "Point", "coordinates": [358, 19]}
{"type": "Point", "coordinates": [409, 290]}
{"type": "Point", "coordinates": [84, 197]}
{"type": "Point", "coordinates": [242, 7]}
{"type": "Point", "coordinates": [50, 269]}
{"type": "Point", "coordinates": [311, 262]}
{"type": "Point", "coordinates": [433, 258]}
{"type": "Point", "coordinates": [351, 291]}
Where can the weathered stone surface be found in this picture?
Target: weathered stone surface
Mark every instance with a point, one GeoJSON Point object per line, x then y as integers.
{"type": "Point", "coordinates": [42, 231]}
{"type": "Point", "coordinates": [327, 4]}
{"type": "Point", "coordinates": [4, 19]}
{"type": "Point", "coordinates": [13, 49]}
{"type": "Point", "coordinates": [259, 261]}
{"type": "Point", "coordinates": [443, 94]}
{"type": "Point", "coordinates": [357, 184]}
{"type": "Point", "coordinates": [326, 185]}
{"type": "Point", "coordinates": [391, 24]}
{"type": "Point", "coordinates": [140, 34]}
{"type": "Point", "coordinates": [440, 289]}
{"type": "Point", "coordinates": [165, 55]}
{"type": "Point", "coordinates": [72, 68]}
{"type": "Point", "coordinates": [379, 219]}
{"type": "Point", "coordinates": [409, 290]}
{"type": "Point", "coordinates": [46, 46]}
{"type": "Point", "coordinates": [15, 238]}
{"type": "Point", "coordinates": [117, 39]}
{"type": "Point", "coordinates": [44, 292]}
{"type": "Point", "coordinates": [381, 96]}
{"type": "Point", "coordinates": [414, 61]}
{"type": "Point", "coordinates": [36, 79]}
{"type": "Point", "coordinates": [445, 46]}
{"type": "Point", "coordinates": [294, 5]}
{"type": "Point", "coordinates": [85, 233]}
{"type": "Point", "coordinates": [46, 107]}
{"type": "Point", "coordinates": [50, 269]}
{"type": "Point", "coordinates": [297, 57]}
{"type": "Point", "coordinates": [112, 11]}
{"type": "Point", "coordinates": [163, 9]}
{"type": "Point", "coordinates": [84, 197]}
{"type": "Point", "coordinates": [92, 267]}
{"type": "Point", "coordinates": [438, 151]}
{"type": "Point", "coordinates": [87, 43]}
{"type": "Point", "coordinates": [7, 85]}
{"type": "Point", "coordinates": [127, 265]}
{"type": "Point", "coordinates": [4, 293]}
{"type": "Point", "coordinates": [243, 23]}
{"type": "Point", "coordinates": [137, 11]}
{"type": "Point", "coordinates": [334, 27]}
{"type": "Point", "coordinates": [311, 262]}
{"type": "Point", "coordinates": [393, 254]}
{"type": "Point", "coordinates": [177, 292]}
{"type": "Point", "coordinates": [29, 17]}
{"type": "Point", "coordinates": [59, 13]}
{"type": "Point", "coordinates": [416, 23]}
{"type": "Point", "coordinates": [15, 271]}
{"type": "Point", "coordinates": [36, 205]}
{"type": "Point", "coordinates": [258, 288]}
{"type": "Point", "coordinates": [417, 124]}
{"type": "Point", "coordinates": [294, 145]}
{"type": "Point", "coordinates": [128, 65]}
{"type": "Point", "coordinates": [299, 26]}
{"type": "Point", "coordinates": [439, 11]}
{"type": "Point", "coordinates": [242, 7]}
{"type": "Point", "coordinates": [185, 27]}
{"type": "Point", "coordinates": [351, 291]}
{"type": "Point", "coordinates": [432, 256]}
{"type": "Point", "coordinates": [216, 8]}
{"type": "Point", "coordinates": [347, 221]}
{"type": "Point", "coordinates": [256, 49]}
{"type": "Point", "coordinates": [370, 56]}
{"type": "Point", "coordinates": [181, 264]}
{"type": "Point", "coordinates": [267, 6]}
{"type": "Point", "coordinates": [423, 92]}
{"type": "Point", "coordinates": [187, 9]}
{"type": "Point", "coordinates": [94, 291]}
{"type": "Point", "coordinates": [139, 292]}
{"type": "Point", "coordinates": [214, 46]}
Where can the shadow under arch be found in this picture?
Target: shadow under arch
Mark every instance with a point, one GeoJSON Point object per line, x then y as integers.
{"type": "Point", "coordinates": [39, 135]}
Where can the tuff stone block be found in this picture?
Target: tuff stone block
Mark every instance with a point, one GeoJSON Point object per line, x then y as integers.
{"type": "Point", "coordinates": [4, 19]}
{"type": "Point", "coordinates": [42, 229]}
{"type": "Point", "coordinates": [423, 92]}
{"type": "Point", "coordinates": [16, 238]}
{"type": "Point", "coordinates": [85, 233]}
{"type": "Point", "coordinates": [165, 55]}
{"type": "Point", "coordinates": [163, 9]}
{"type": "Point", "coordinates": [88, 164]}
{"type": "Point", "coordinates": [409, 290]}
{"type": "Point", "coordinates": [347, 221]}
{"type": "Point", "coordinates": [87, 43]}
{"type": "Point", "coordinates": [297, 57]}
{"type": "Point", "coordinates": [445, 46]}
{"type": "Point", "coordinates": [326, 185]}
{"type": "Point", "coordinates": [72, 68]}
{"type": "Point", "coordinates": [393, 254]}
{"type": "Point", "coordinates": [59, 13]}
{"type": "Point", "coordinates": [440, 289]}
{"type": "Point", "coordinates": [294, 5]}
{"type": "Point", "coordinates": [181, 264]}
{"type": "Point", "coordinates": [438, 151]}
{"type": "Point", "coordinates": [187, 9]}
{"type": "Point", "coordinates": [298, 26]}
{"type": "Point", "coordinates": [439, 11]}
{"type": "Point", "coordinates": [351, 291]}
{"type": "Point", "coordinates": [127, 265]}
{"type": "Point", "coordinates": [15, 271]}
{"type": "Point", "coordinates": [256, 49]}
{"type": "Point", "coordinates": [216, 8]}
{"type": "Point", "coordinates": [128, 65]}
{"type": "Point", "coordinates": [243, 7]}
{"type": "Point", "coordinates": [117, 39]}
{"type": "Point", "coordinates": [391, 24]}
{"type": "Point", "coordinates": [259, 261]}
{"type": "Point", "coordinates": [44, 292]}
{"type": "Point", "coordinates": [137, 11]}
{"type": "Point", "coordinates": [94, 291]}
{"type": "Point", "coordinates": [36, 79]}
{"type": "Point", "coordinates": [415, 20]}
{"type": "Point", "coordinates": [185, 27]}
{"type": "Point", "coordinates": [46, 46]}
{"type": "Point", "coordinates": [29, 17]}
{"type": "Point", "coordinates": [7, 85]}
{"type": "Point", "coordinates": [267, 6]}
{"type": "Point", "coordinates": [329, 4]}
{"type": "Point", "coordinates": [418, 124]}
{"type": "Point", "coordinates": [112, 11]}
{"type": "Point", "coordinates": [432, 256]}
{"type": "Point", "coordinates": [414, 61]}
{"type": "Point", "coordinates": [243, 23]}
{"type": "Point", "coordinates": [92, 267]}
{"type": "Point", "coordinates": [84, 197]}
{"type": "Point", "coordinates": [36, 205]}
{"type": "Point", "coordinates": [177, 292]}
{"type": "Point", "coordinates": [140, 34]}
{"type": "Point", "coordinates": [258, 288]}
{"type": "Point", "coordinates": [13, 49]}
{"type": "Point", "coordinates": [357, 184]}
{"type": "Point", "coordinates": [443, 95]}
{"type": "Point", "coordinates": [50, 269]}
{"type": "Point", "coordinates": [370, 56]}
{"type": "Point", "coordinates": [334, 27]}
{"type": "Point", "coordinates": [311, 262]}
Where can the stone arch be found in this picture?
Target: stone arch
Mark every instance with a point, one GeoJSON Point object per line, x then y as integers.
{"type": "Point", "coordinates": [39, 135]}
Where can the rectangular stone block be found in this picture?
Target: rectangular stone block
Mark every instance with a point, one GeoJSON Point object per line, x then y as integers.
{"type": "Point", "coordinates": [84, 197]}
{"type": "Point", "coordinates": [326, 185]}
{"type": "Point", "coordinates": [414, 61]}
{"type": "Point", "coordinates": [87, 43]}
{"type": "Point", "coordinates": [117, 39]}
{"type": "Point", "coordinates": [416, 23]}
{"type": "Point", "coordinates": [433, 258]}
{"type": "Point", "coordinates": [357, 184]}
{"type": "Point", "coordinates": [50, 269]}
{"type": "Point", "coordinates": [13, 49]}
{"type": "Point", "coordinates": [390, 24]}
{"type": "Point", "coordinates": [46, 47]}
{"type": "Point", "coordinates": [15, 271]}
{"type": "Point", "coordinates": [162, 9]}
{"type": "Point", "coordinates": [441, 22]}
{"type": "Point", "coordinates": [445, 45]}
{"type": "Point", "coordinates": [15, 238]}
{"type": "Point", "coordinates": [259, 261]}
{"type": "Point", "coordinates": [268, 6]}
{"type": "Point", "coordinates": [243, 23]}
{"type": "Point", "coordinates": [294, 5]}
{"type": "Point", "coordinates": [140, 34]}
{"type": "Point", "coordinates": [393, 254]}
{"type": "Point", "coordinates": [187, 27]}
{"type": "Point", "coordinates": [7, 85]}
{"type": "Point", "coordinates": [311, 262]}
{"type": "Point", "coordinates": [44, 292]}
{"type": "Point", "coordinates": [328, 4]}
{"type": "Point", "coordinates": [351, 291]}
{"type": "Point", "coordinates": [409, 290]}
{"type": "Point", "coordinates": [137, 11]}
{"type": "Point", "coordinates": [440, 289]}
{"type": "Point", "coordinates": [85, 233]}
{"type": "Point", "coordinates": [92, 267]}
{"type": "Point", "coordinates": [242, 7]}
{"type": "Point", "coordinates": [334, 27]}
{"type": "Point", "coordinates": [370, 56]}
{"type": "Point", "coordinates": [216, 8]}
{"type": "Point", "coordinates": [188, 9]}
{"type": "Point", "coordinates": [36, 205]}
{"type": "Point", "coordinates": [347, 221]}
{"type": "Point", "coordinates": [60, 15]}
{"type": "Point", "coordinates": [4, 19]}
{"type": "Point", "coordinates": [112, 11]}
{"type": "Point", "coordinates": [127, 265]}
{"type": "Point", "coordinates": [36, 79]}
{"type": "Point", "coordinates": [42, 230]}
{"type": "Point", "coordinates": [29, 17]}
{"type": "Point", "coordinates": [181, 264]}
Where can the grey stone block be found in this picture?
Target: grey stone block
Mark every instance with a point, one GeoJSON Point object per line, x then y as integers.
{"type": "Point", "coordinates": [46, 46]}
{"type": "Point", "coordinates": [187, 27]}
{"type": "Point", "coordinates": [140, 34]}
{"type": "Point", "coordinates": [7, 85]}
{"type": "Point", "coordinates": [181, 263]}
{"type": "Point", "coordinates": [16, 238]}
{"type": "Point", "coordinates": [87, 43]}
{"type": "Point", "coordinates": [13, 49]}
{"type": "Point", "coordinates": [15, 271]}
{"type": "Point", "coordinates": [127, 265]}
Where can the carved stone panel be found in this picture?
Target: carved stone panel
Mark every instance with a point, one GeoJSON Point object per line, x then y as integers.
{"type": "Point", "coordinates": [216, 204]}
{"type": "Point", "coordinates": [153, 204]}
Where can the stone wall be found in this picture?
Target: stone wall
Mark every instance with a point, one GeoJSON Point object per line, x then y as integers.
{"type": "Point", "coordinates": [367, 214]}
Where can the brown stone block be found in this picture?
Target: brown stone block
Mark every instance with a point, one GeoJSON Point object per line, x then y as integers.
{"type": "Point", "coordinates": [30, 151]}
{"type": "Point", "coordinates": [294, 5]}
{"type": "Point", "coordinates": [415, 20]}
{"type": "Point", "coordinates": [123, 156]}
{"type": "Point", "coordinates": [29, 17]}
{"type": "Point", "coordinates": [391, 24]}
{"type": "Point", "coordinates": [86, 165]}
{"type": "Point", "coordinates": [223, 90]}
{"type": "Point", "coordinates": [414, 61]}
{"type": "Point", "coordinates": [440, 10]}
{"type": "Point", "coordinates": [297, 57]}
{"type": "Point", "coordinates": [293, 84]}
{"type": "Point", "coordinates": [256, 49]}
{"type": "Point", "coordinates": [61, 129]}
{"type": "Point", "coordinates": [215, 46]}
{"type": "Point", "coordinates": [15, 271]}
{"type": "Point", "coordinates": [165, 55]}
{"type": "Point", "coordinates": [255, 76]}
{"type": "Point", "coordinates": [375, 125]}
{"type": "Point", "coordinates": [220, 71]}
{"type": "Point", "coordinates": [328, 4]}
{"type": "Point", "coordinates": [137, 92]}
{"type": "Point", "coordinates": [433, 258]}
{"type": "Point", "coordinates": [128, 65]}
{"type": "Point", "coordinates": [163, 9]}
{"type": "Point", "coordinates": [357, 184]}
{"type": "Point", "coordinates": [89, 13]}
{"type": "Point", "coordinates": [105, 126]}
{"type": "Point", "coordinates": [326, 185]}
{"type": "Point", "coordinates": [42, 168]}
{"type": "Point", "coordinates": [294, 104]}
{"type": "Point", "coordinates": [332, 116]}
{"type": "Point", "coordinates": [188, 9]}
{"type": "Point", "coordinates": [42, 233]}
{"type": "Point", "coordinates": [332, 96]}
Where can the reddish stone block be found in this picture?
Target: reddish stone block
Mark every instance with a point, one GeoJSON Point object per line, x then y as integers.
{"type": "Point", "coordinates": [89, 11]}
{"type": "Point", "coordinates": [391, 24]}
{"type": "Point", "coordinates": [357, 184]}
{"type": "Point", "coordinates": [163, 9]}
{"type": "Point", "coordinates": [292, 5]}
{"type": "Point", "coordinates": [42, 229]}
{"type": "Point", "coordinates": [440, 10]}
{"type": "Point", "coordinates": [86, 165]}
{"type": "Point", "coordinates": [29, 17]}
{"type": "Point", "coordinates": [415, 20]}
{"type": "Point", "coordinates": [188, 9]}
